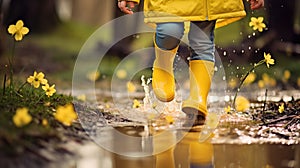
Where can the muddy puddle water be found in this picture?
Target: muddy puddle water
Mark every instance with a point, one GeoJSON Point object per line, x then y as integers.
{"type": "Point", "coordinates": [181, 149]}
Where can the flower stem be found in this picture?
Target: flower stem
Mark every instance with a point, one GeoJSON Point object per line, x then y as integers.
{"type": "Point", "coordinates": [243, 79]}
{"type": "Point", "coordinates": [22, 86]}
{"type": "Point", "coordinates": [11, 62]}
{"type": "Point", "coordinates": [4, 84]}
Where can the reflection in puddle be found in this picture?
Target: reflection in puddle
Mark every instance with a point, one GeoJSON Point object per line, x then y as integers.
{"type": "Point", "coordinates": [185, 152]}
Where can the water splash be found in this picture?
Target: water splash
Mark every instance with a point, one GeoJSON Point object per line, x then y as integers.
{"type": "Point", "coordinates": [156, 110]}
{"type": "Point", "coordinates": [147, 101]}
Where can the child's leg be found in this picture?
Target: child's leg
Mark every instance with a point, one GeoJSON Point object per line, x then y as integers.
{"type": "Point", "coordinates": [166, 41]}
{"type": "Point", "coordinates": [201, 39]}
{"type": "Point", "coordinates": [168, 35]}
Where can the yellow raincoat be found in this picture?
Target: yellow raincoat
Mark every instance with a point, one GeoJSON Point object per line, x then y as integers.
{"type": "Point", "coordinates": [224, 11]}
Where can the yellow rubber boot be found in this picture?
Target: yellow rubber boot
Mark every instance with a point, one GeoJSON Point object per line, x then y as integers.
{"type": "Point", "coordinates": [163, 82]}
{"type": "Point", "coordinates": [195, 106]}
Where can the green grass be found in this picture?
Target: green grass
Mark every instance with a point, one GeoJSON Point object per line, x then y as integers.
{"type": "Point", "coordinates": [15, 139]}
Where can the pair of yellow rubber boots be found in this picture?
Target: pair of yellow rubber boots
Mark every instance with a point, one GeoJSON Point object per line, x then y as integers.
{"type": "Point", "coordinates": [163, 84]}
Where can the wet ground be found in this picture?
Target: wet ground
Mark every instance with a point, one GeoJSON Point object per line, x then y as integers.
{"type": "Point", "coordinates": [115, 135]}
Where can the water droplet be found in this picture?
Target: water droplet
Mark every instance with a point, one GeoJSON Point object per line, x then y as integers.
{"type": "Point", "coordinates": [224, 53]}
{"type": "Point", "coordinates": [230, 61]}
{"type": "Point", "coordinates": [243, 51]}
{"type": "Point", "coordinates": [216, 68]}
{"type": "Point", "coordinates": [237, 67]}
{"type": "Point", "coordinates": [137, 36]}
{"type": "Point", "coordinates": [224, 77]}
{"type": "Point", "coordinates": [253, 34]}
{"type": "Point", "coordinates": [255, 51]}
{"type": "Point", "coordinates": [241, 33]}
{"type": "Point", "coordinates": [233, 41]}
{"type": "Point", "coordinates": [282, 6]}
{"type": "Point", "coordinates": [249, 36]}
{"type": "Point", "coordinates": [249, 47]}
{"type": "Point", "coordinates": [233, 51]}
{"type": "Point", "coordinates": [220, 66]}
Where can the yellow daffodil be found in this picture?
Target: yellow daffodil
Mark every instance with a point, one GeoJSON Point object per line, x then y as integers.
{"type": "Point", "coordinates": [136, 104]}
{"type": "Point", "coordinates": [281, 108]}
{"type": "Point", "coordinates": [93, 76]}
{"type": "Point", "coordinates": [18, 30]}
{"type": "Point", "coordinates": [130, 87]}
{"type": "Point", "coordinates": [170, 119]}
{"type": "Point", "coordinates": [22, 117]}
{"type": "Point", "coordinates": [257, 23]}
{"type": "Point", "coordinates": [268, 59]}
{"type": "Point", "coordinates": [227, 109]}
{"type": "Point", "coordinates": [49, 90]}
{"type": "Point", "coordinates": [121, 74]}
{"type": "Point", "coordinates": [242, 104]}
{"type": "Point", "coordinates": [65, 114]}
{"type": "Point", "coordinates": [37, 79]}
{"type": "Point", "coordinates": [44, 122]}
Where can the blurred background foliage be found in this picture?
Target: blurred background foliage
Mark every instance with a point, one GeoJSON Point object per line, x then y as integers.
{"type": "Point", "coordinates": [59, 28]}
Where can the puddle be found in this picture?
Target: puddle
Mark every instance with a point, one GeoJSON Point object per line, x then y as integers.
{"type": "Point", "coordinates": [184, 151]}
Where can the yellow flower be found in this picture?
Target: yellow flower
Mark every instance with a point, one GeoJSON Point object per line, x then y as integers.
{"type": "Point", "coordinates": [242, 104]}
{"type": "Point", "coordinates": [136, 104]}
{"type": "Point", "coordinates": [250, 79]}
{"type": "Point", "coordinates": [44, 122]}
{"type": "Point", "coordinates": [233, 82]}
{"type": "Point", "coordinates": [268, 59]}
{"type": "Point", "coordinates": [65, 114]}
{"type": "Point", "coordinates": [37, 79]}
{"type": "Point", "coordinates": [93, 76]}
{"type": "Point", "coordinates": [261, 84]}
{"type": "Point", "coordinates": [130, 87]}
{"type": "Point", "coordinates": [22, 117]}
{"type": "Point", "coordinates": [257, 23]}
{"type": "Point", "coordinates": [298, 81]}
{"type": "Point", "coordinates": [49, 90]}
{"type": "Point", "coordinates": [286, 76]}
{"type": "Point", "coordinates": [281, 108]}
{"type": "Point", "coordinates": [121, 74]}
{"type": "Point", "coordinates": [227, 109]}
{"type": "Point", "coordinates": [272, 82]}
{"type": "Point", "coordinates": [169, 119]}
{"type": "Point", "coordinates": [18, 30]}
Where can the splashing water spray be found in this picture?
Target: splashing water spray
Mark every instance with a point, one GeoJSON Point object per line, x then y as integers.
{"type": "Point", "coordinates": [147, 101]}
